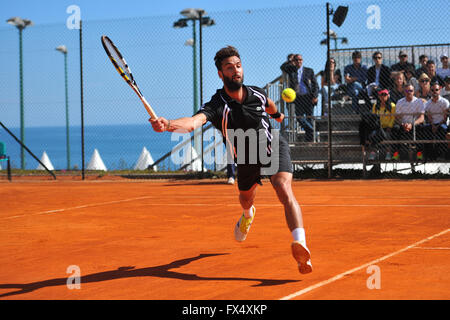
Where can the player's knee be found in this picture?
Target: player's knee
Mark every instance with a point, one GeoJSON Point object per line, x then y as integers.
{"type": "Point", "coordinates": [283, 188]}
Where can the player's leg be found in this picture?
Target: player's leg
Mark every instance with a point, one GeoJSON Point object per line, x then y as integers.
{"type": "Point", "coordinates": [248, 177]}
{"type": "Point", "coordinates": [282, 183]}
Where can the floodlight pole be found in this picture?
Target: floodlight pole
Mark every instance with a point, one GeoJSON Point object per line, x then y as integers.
{"type": "Point", "coordinates": [22, 112]}
{"type": "Point", "coordinates": [330, 151]}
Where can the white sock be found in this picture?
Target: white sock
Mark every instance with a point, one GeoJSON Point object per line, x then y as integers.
{"type": "Point", "coordinates": [299, 235]}
{"type": "Point", "coordinates": [248, 213]}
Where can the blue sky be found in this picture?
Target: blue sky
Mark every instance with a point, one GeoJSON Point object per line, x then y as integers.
{"type": "Point", "coordinates": [264, 31]}
{"type": "Point", "coordinates": [53, 11]}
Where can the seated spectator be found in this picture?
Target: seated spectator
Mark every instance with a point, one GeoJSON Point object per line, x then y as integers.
{"type": "Point", "coordinates": [431, 73]}
{"type": "Point", "coordinates": [424, 91]}
{"type": "Point", "coordinates": [379, 75]}
{"type": "Point", "coordinates": [355, 77]}
{"type": "Point", "coordinates": [403, 64]}
{"type": "Point", "coordinates": [410, 78]}
{"type": "Point", "coordinates": [445, 70]}
{"type": "Point", "coordinates": [436, 111]}
{"type": "Point", "coordinates": [423, 59]}
{"type": "Point", "coordinates": [332, 83]}
{"type": "Point", "coordinates": [445, 92]}
{"type": "Point", "coordinates": [409, 116]}
{"type": "Point", "coordinates": [398, 81]}
{"type": "Point", "coordinates": [384, 109]}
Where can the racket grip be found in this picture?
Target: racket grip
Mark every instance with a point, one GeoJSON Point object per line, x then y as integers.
{"type": "Point", "coordinates": [149, 108]}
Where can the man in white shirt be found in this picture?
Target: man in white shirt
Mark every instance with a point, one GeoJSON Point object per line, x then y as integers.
{"type": "Point", "coordinates": [410, 116]}
{"type": "Point", "coordinates": [436, 110]}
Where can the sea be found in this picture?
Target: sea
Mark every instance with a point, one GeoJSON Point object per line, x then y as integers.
{"type": "Point", "coordinates": [119, 146]}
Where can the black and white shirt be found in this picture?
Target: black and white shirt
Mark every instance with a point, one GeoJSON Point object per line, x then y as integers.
{"type": "Point", "coordinates": [226, 113]}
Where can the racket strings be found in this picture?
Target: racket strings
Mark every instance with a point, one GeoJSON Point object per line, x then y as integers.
{"type": "Point", "coordinates": [118, 61]}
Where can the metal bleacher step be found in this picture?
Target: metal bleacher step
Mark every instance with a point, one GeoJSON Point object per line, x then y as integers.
{"type": "Point", "coordinates": [319, 151]}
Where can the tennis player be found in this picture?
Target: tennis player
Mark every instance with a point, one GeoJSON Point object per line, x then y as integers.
{"type": "Point", "coordinates": [239, 108]}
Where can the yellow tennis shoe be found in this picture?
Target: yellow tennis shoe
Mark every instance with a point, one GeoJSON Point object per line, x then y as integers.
{"type": "Point", "coordinates": [243, 226]}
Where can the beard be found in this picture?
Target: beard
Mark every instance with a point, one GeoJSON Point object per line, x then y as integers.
{"type": "Point", "coordinates": [233, 85]}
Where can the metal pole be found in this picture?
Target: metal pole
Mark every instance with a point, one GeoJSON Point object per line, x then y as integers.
{"type": "Point", "coordinates": [330, 153]}
{"type": "Point", "coordinates": [194, 59]}
{"type": "Point", "coordinates": [67, 112]}
{"type": "Point", "coordinates": [201, 78]}
{"type": "Point", "coordinates": [22, 112]}
{"type": "Point", "coordinates": [82, 106]}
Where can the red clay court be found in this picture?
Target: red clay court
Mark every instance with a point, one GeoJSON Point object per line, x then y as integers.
{"type": "Point", "coordinates": [172, 240]}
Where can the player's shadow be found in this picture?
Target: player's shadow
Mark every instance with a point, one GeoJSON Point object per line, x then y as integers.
{"type": "Point", "coordinates": [162, 271]}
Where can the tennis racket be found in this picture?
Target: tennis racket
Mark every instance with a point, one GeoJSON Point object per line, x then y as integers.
{"type": "Point", "coordinates": [122, 67]}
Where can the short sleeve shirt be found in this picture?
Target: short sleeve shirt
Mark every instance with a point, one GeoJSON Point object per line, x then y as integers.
{"type": "Point", "coordinates": [226, 113]}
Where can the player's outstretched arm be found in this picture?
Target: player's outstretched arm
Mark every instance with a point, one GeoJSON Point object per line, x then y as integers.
{"type": "Point", "coordinates": [273, 111]}
{"type": "Point", "coordinates": [186, 124]}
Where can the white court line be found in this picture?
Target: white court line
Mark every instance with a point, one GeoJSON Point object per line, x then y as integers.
{"type": "Point", "coordinates": [432, 248]}
{"type": "Point", "coordinates": [225, 204]}
{"type": "Point", "coordinates": [77, 207]}
{"type": "Point", "coordinates": [340, 276]}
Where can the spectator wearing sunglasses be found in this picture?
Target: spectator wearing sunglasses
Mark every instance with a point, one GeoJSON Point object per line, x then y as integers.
{"type": "Point", "coordinates": [436, 111]}
{"type": "Point", "coordinates": [410, 114]}
{"type": "Point", "coordinates": [383, 120]}
{"type": "Point", "coordinates": [445, 70]}
{"type": "Point", "coordinates": [424, 91]}
{"type": "Point", "coordinates": [403, 63]}
{"type": "Point", "coordinates": [379, 75]}
{"type": "Point", "coordinates": [445, 92]}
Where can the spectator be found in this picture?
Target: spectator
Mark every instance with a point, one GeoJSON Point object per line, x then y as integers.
{"type": "Point", "coordinates": [423, 59]}
{"type": "Point", "coordinates": [445, 92]}
{"type": "Point", "coordinates": [303, 81]}
{"type": "Point", "coordinates": [424, 91]}
{"type": "Point", "coordinates": [384, 109]}
{"type": "Point", "coordinates": [409, 115]}
{"type": "Point", "coordinates": [431, 73]}
{"type": "Point", "coordinates": [379, 75]}
{"type": "Point", "coordinates": [436, 111]}
{"type": "Point", "coordinates": [397, 91]}
{"type": "Point", "coordinates": [403, 64]}
{"type": "Point", "coordinates": [445, 70]}
{"type": "Point", "coordinates": [332, 83]}
{"type": "Point", "coordinates": [410, 78]}
{"type": "Point", "coordinates": [355, 77]}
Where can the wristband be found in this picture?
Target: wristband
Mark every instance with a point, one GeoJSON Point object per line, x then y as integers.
{"type": "Point", "coordinates": [276, 115]}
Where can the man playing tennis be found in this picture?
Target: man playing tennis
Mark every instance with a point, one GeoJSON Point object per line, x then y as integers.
{"type": "Point", "coordinates": [238, 109]}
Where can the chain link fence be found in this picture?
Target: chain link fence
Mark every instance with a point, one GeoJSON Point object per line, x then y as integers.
{"type": "Point", "coordinates": [161, 58]}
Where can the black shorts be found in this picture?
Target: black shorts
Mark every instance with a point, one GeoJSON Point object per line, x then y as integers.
{"type": "Point", "coordinates": [249, 174]}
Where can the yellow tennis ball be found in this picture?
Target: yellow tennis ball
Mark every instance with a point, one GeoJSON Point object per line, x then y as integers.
{"type": "Point", "coordinates": [288, 95]}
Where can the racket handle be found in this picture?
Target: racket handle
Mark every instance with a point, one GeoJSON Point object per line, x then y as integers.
{"type": "Point", "coordinates": [149, 108]}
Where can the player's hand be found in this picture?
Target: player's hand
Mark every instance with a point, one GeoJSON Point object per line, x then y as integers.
{"type": "Point", "coordinates": [160, 124]}
{"type": "Point", "coordinates": [280, 119]}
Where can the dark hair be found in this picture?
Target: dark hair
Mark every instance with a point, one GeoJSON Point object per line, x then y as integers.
{"type": "Point", "coordinates": [388, 103]}
{"type": "Point", "coordinates": [224, 53]}
{"type": "Point", "coordinates": [422, 56]}
{"type": "Point", "coordinates": [375, 53]}
{"type": "Point", "coordinates": [430, 62]}
{"type": "Point", "coordinates": [356, 54]}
